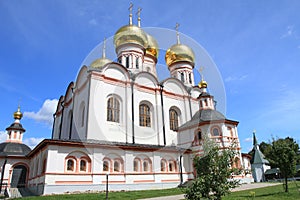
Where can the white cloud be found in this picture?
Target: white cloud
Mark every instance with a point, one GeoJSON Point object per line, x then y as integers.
{"type": "Point", "coordinates": [3, 136]}
{"type": "Point", "coordinates": [236, 78]}
{"type": "Point", "coordinates": [45, 114]}
{"type": "Point", "coordinates": [32, 142]}
{"type": "Point", "coordinates": [93, 22]}
{"type": "Point", "coordinates": [249, 139]}
{"type": "Point", "coordinates": [289, 31]}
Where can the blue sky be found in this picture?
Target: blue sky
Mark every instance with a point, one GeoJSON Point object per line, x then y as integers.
{"type": "Point", "coordinates": [254, 44]}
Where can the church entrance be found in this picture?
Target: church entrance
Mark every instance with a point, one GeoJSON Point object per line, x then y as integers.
{"type": "Point", "coordinates": [18, 178]}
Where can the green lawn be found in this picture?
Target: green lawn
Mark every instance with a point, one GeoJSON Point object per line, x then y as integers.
{"type": "Point", "coordinates": [267, 193]}
{"type": "Point", "coordinates": [112, 195]}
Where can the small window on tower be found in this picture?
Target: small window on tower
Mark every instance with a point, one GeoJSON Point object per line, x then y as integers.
{"type": "Point", "coordinates": [127, 62]}
{"type": "Point", "coordinates": [190, 78]}
{"type": "Point", "coordinates": [137, 62]}
{"type": "Point", "coordinates": [182, 76]}
{"type": "Point", "coordinates": [199, 136]}
{"type": "Point", "coordinates": [216, 132]}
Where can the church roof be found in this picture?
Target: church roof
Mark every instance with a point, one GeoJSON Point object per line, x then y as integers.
{"type": "Point", "coordinates": [103, 143]}
{"type": "Point", "coordinates": [13, 149]}
{"type": "Point", "coordinates": [205, 115]}
{"type": "Point", "coordinates": [16, 126]}
{"type": "Point", "coordinates": [258, 157]}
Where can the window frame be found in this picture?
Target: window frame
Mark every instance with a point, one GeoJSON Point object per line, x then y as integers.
{"type": "Point", "coordinates": [67, 164]}
{"type": "Point", "coordinates": [113, 109]}
{"type": "Point", "coordinates": [173, 119]}
{"type": "Point", "coordinates": [144, 115]}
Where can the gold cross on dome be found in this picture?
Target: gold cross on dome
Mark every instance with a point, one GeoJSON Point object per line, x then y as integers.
{"type": "Point", "coordinates": [201, 70]}
{"type": "Point", "coordinates": [139, 12]}
{"type": "Point", "coordinates": [130, 8]}
{"type": "Point", "coordinates": [177, 33]}
{"type": "Point", "coordinates": [177, 26]}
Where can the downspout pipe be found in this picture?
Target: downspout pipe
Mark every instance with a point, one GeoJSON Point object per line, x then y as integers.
{"type": "Point", "coordinates": [132, 111]}
{"type": "Point", "coordinates": [163, 113]}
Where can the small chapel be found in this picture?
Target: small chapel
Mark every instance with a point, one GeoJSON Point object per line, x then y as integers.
{"type": "Point", "coordinates": [117, 119]}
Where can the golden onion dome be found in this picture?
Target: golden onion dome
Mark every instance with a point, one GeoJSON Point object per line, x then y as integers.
{"type": "Point", "coordinates": [202, 84]}
{"type": "Point", "coordinates": [100, 62]}
{"type": "Point", "coordinates": [178, 53]}
{"type": "Point", "coordinates": [152, 46]}
{"type": "Point", "coordinates": [130, 34]}
{"type": "Point", "coordinates": [18, 115]}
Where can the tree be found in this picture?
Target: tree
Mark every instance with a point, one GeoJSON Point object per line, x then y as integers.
{"type": "Point", "coordinates": [213, 174]}
{"type": "Point", "coordinates": [283, 154]}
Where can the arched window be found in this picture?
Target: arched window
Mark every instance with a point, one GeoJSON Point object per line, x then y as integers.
{"type": "Point", "coordinates": [190, 78]}
{"type": "Point", "coordinates": [145, 119]}
{"type": "Point", "coordinates": [172, 167]}
{"type": "Point", "coordinates": [83, 165]}
{"type": "Point", "coordinates": [173, 119]}
{"type": "Point", "coordinates": [113, 109]}
{"type": "Point", "coordinates": [163, 165]}
{"type": "Point", "coordinates": [105, 166]}
{"type": "Point", "coordinates": [145, 166]}
{"type": "Point", "coordinates": [136, 165]}
{"type": "Point", "coordinates": [70, 165]}
{"type": "Point", "coordinates": [117, 167]}
{"type": "Point", "coordinates": [215, 132]}
{"type": "Point", "coordinates": [197, 138]}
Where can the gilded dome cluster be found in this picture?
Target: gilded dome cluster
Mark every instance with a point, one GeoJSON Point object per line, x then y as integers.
{"type": "Point", "coordinates": [134, 34]}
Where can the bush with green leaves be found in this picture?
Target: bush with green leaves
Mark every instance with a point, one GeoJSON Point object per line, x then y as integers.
{"type": "Point", "coordinates": [214, 174]}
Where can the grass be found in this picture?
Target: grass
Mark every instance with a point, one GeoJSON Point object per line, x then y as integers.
{"type": "Point", "coordinates": [112, 195]}
{"type": "Point", "coordinates": [267, 193]}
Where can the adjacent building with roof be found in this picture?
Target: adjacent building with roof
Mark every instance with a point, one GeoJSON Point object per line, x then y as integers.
{"type": "Point", "coordinates": [118, 119]}
{"type": "Point", "coordinates": [259, 164]}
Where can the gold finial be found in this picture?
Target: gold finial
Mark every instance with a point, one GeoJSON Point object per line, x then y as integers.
{"type": "Point", "coordinates": [177, 33]}
{"type": "Point", "coordinates": [130, 13]}
{"type": "Point", "coordinates": [104, 48]}
{"type": "Point", "coordinates": [139, 16]}
{"type": "Point", "coordinates": [203, 83]}
{"type": "Point", "coordinates": [18, 115]}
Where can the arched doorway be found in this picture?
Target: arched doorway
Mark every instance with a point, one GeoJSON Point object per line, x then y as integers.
{"type": "Point", "coordinates": [18, 178]}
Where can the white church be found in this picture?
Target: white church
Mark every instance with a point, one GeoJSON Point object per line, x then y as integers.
{"type": "Point", "coordinates": [118, 119]}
